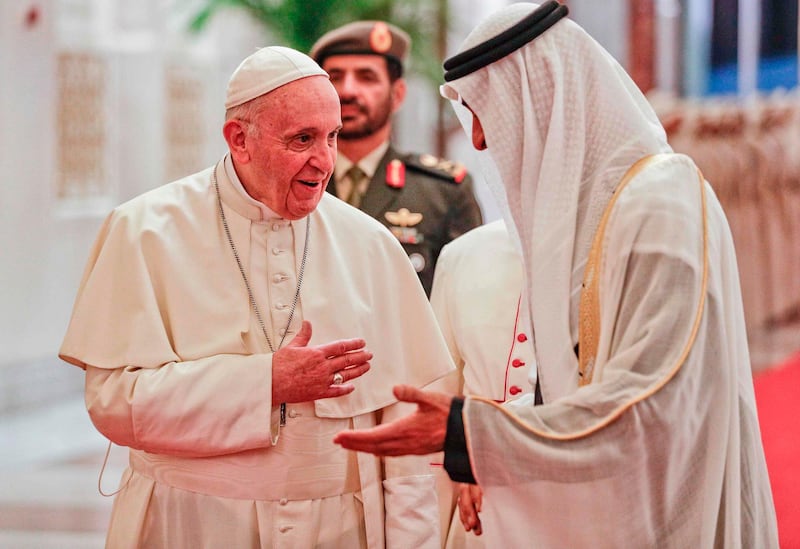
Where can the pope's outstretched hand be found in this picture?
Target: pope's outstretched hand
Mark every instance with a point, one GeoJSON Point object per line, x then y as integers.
{"type": "Point", "coordinates": [421, 432]}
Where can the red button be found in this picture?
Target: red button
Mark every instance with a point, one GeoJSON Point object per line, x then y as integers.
{"type": "Point", "coordinates": [516, 363]}
{"type": "Point", "coordinates": [522, 337]}
{"type": "Point", "coordinates": [514, 390]}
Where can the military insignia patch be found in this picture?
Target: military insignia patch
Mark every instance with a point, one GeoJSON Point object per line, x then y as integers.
{"type": "Point", "coordinates": [403, 218]}
{"type": "Point", "coordinates": [407, 235]}
{"type": "Point", "coordinates": [439, 167]}
{"type": "Point", "coordinates": [380, 39]}
{"type": "Point", "coordinates": [402, 228]}
{"type": "Point", "coordinates": [428, 160]}
{"type": "Point", "coordinates": [396, 174]}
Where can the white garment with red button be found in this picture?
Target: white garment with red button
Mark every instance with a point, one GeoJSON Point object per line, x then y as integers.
{"type": "Point", "coordinates": [477, 299]}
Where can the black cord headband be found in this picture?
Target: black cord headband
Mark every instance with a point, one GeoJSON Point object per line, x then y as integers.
{"type": "Point", "coordinates": [510, 40]}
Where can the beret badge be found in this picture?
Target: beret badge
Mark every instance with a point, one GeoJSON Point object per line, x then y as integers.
{"type": "Point", "coordinates": [380, 38]}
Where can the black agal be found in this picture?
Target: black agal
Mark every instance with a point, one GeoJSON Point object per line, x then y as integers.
{"type": "Point", "coordinates": [511, 39]}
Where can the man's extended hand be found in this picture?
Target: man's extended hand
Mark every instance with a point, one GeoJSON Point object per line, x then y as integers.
{"type": "Point", "coordinates": [421, 432]}
{"type": "Point", "coordinates": [301, 373]}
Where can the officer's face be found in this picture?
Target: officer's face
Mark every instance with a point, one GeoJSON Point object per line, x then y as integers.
{"type": "Point", "coordinates": [367, 95]}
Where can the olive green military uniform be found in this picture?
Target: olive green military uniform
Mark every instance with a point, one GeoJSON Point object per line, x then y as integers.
{"type": "Point", "coordinates": [426, 202]}
{"type": "Point", "coordinates": [432, 205]}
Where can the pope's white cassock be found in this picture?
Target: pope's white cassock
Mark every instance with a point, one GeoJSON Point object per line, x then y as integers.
{"type": "Point", "coordinates": [179, 371]}
{"type": "Point", "coordinates": [655, 443]}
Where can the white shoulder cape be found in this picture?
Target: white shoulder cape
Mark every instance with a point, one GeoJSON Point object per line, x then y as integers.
{"type": "Point", "coordinates": [161, 286]}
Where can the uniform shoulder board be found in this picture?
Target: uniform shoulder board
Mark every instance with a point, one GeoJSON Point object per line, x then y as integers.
{"type": "Point", "coordinates": [437, 167]}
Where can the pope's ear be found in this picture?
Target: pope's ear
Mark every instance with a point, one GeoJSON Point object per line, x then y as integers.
{"type": "Point", "coordinates": [235, 133]}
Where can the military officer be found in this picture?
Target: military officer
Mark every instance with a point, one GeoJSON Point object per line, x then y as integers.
{"type": "Point", "coordinates": [425, 201]}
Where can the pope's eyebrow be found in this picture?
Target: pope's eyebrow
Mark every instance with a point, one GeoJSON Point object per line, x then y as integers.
{"type": "Point", "coordinates": [301, 131]}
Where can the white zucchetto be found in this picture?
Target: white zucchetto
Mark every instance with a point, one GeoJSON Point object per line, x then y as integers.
{"type": "Point", "coordinates": [266, 70]}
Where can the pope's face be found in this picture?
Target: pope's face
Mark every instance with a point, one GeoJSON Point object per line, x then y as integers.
{"type": "Point", "coordinates": [292, 148]}
{"type": "Point", "coordinates": [367, 95]}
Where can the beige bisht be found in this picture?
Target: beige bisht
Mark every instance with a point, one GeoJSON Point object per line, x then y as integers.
{"type": "Point", "coordinates": [657, 444]}
{"type": "Point", "coordinates": [162, 299]}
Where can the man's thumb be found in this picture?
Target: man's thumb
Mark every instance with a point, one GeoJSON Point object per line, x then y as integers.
{"type": "Point", "coordinates": [408, 393]}
{"type": "Point", "coordinates": [303, 336]}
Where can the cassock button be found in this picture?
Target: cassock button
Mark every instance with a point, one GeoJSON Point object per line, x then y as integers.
{"type": "Point", "coordinates": [277, 278]}
{"type": "Point", "coordinates": [522, 338]}
{"type": "Point", "coordinates": [514, 390]}
{"type": "Point", "coordinates": [293, 413]}
{"type": "Point", "coordinates": [516, 363]}
{"type": "Point", "coordinates": [276, 226]}
{"type": "Point", "coordinates": [282, 332]}
{"type": "Point", "coordinates": [285, 528]}
{"type": "Point", "coordinates": [284, 501]}
{"type": "Point", "coordinates": [276, 251]}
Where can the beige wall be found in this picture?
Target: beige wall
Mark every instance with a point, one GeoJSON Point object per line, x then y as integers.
{"type": "Point", "coordinates": [45, 235]}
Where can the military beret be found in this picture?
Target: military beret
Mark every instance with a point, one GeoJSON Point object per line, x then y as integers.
{"type": "Point", "coordinates": [363, 37]}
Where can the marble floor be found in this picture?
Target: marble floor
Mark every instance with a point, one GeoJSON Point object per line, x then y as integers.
{"type": "Point", "coordinates": [50, 460]}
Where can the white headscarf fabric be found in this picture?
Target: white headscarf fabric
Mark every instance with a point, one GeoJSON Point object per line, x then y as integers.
{"type": "Point", "coordinates": [563, 122]}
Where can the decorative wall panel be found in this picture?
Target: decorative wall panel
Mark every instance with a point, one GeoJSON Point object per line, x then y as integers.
{"type": "Point", "coordinates": [81, 126]}
{"type": "Point", "coordinates": [185, 121]}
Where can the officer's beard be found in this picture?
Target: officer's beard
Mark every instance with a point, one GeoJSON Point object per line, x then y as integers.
{"type": "Point", "coordinates": [374, 121]}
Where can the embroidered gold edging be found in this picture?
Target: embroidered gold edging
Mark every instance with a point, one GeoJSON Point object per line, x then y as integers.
{"type": "Point", "coordinates": [589, 311]}
{"type": "Point", "coordinates": [684, 354]}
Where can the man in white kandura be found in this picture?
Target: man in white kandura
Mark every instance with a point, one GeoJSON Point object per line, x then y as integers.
{"type": "Point", "coordinates": [648, 435]}
{"type": "Point", "coordinates": [194, 325]}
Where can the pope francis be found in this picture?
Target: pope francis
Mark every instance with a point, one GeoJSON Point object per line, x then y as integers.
{"type": "Point", "coordinates": [222, 321]}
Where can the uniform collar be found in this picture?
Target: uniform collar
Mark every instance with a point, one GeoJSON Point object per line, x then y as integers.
{"type": "Point", "coordinates": [368, 164]}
